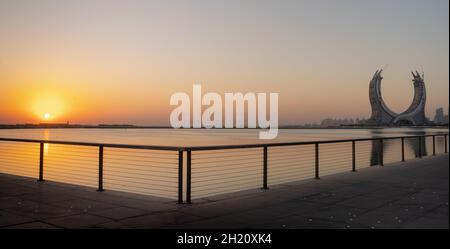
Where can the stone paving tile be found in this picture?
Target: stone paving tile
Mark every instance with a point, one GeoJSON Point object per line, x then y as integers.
{"type": "Point", "coordinates": [14, 202]}
{"type": "Point", "coordinates": [302, 222]}
{"type": "Point", "coordinates": [391, 192]}
{"type": "Point", "coordinates": [77, 221]}
{"type": "Point", "coordinates": [41, 211]}
{"type": "Point", "coordinates": [9, 219]}
{"type": "Point", "coordinates": [33, 225]}
{"type": "Point", "coordinates": [15, 191]}
{"type": "Point", "coordinates": [431, 195]}
{"type": "Point", "coordinates": [413, 204]}
{"type": "Point", "coordinates": [364, 201]}
{"type": "Point", "coordinates": [83, 205]}
{"type": "Point", "coordinates": [336, 213]}
{"type": "Point", "coordinates": [364, 188]}
{"type": "Point", "coordinates": [248, 219]}
{"type": "Point", "coordinates": [45, 196]}
{"type": "Point", "coordinates": [427, 223]}
{"type": "Point", "coordinates": [439, 212]}
{"type": "Point", "coordinates": [225, 207]}
{"type": "Point", "coordinates": [385, 218]}
{"type": "Point", "coordinates": [112, 225]}
{"type": "Point", "coordinates": [330, 197]}
{"type": "Point", "coordinates": [281, 218]}
{"type": "Point", "coordinates": [153, 220]}
{"type": "Point", "coordinates": [148, 204]}
{"type": "Point", "coordinates": [118, 213]}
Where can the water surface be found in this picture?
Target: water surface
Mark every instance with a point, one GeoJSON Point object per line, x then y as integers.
{"type": "Point", "coordinates": [155, 173]}
{"type": "Point", "coordinates": [193, 137]}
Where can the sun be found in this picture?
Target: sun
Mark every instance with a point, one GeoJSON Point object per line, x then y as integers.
{"type": "Point", "coordinates": [48, 105]}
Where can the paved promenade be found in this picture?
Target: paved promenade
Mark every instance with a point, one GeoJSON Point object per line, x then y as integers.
{"type": "Point", "coordinates": [413, 194]}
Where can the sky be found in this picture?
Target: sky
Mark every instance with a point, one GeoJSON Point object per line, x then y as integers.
{"type": "Point", "coordinates": [110, 61]}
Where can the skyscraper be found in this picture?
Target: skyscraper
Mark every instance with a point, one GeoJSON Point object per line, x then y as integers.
{"type": "Point", "coordinates": [439, 116]}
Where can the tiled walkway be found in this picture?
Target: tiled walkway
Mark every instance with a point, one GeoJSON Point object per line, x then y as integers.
{"type": "Point", "coordinates": [413, 194]}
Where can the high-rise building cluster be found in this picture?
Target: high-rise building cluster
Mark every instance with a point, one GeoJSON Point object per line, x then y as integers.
{"type": "Point", "coordinates": [440, 118]}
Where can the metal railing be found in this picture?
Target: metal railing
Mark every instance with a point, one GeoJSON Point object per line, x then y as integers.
{"type": "Point", "coordinates": [218, 159]}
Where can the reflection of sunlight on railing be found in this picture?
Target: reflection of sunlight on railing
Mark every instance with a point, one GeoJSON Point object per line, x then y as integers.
{"type": "Point", "coordinates": [46, 137]}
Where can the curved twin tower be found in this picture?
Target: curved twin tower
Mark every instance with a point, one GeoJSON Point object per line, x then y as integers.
{"type": "Point", "coordinates": [382, 115]}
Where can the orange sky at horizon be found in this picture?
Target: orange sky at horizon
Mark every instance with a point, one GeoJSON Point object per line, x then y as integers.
{"type": "Point", "coordinates": [117, 105]}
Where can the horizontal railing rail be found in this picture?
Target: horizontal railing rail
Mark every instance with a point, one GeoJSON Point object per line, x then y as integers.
{"type": "Point", "coordinates": [212, 147]}
{"type": "Point", "coordinates": [184, 160]}
{"type": "Point", "coordinates": [246, 146]}
{"type": "Point", "coordinates": [127, 146]}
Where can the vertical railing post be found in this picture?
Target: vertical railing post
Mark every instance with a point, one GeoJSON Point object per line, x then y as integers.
{"type": "Point", "coordinates": [434, 145]}
{"type": "Point", "coordinates": [41, 162]}
{"type": "Point", "coordinates": [265, 168]}
{"type": "Point", "coordinates": [100, 168]}
{"type": "Point", "coordinates": [420, 147]}
{"type": "Point", "coordinates": [180, 176]}
{"type": "Point", "coordinates": [317, 161]}
{"type": "Point", "coordinates": [381, 153]}
{"type": "Point", "coordinates": [403, 149]}
{"type": "Point", "coordinates": [445, 144]}
{"type": "Point", "coordinates": [353, 156]}
{"type": "Point", "coordinates": [188, 175]}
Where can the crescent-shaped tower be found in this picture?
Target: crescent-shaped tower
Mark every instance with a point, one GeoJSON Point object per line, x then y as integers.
{"type": "Point", "coordinates": [383, 116]}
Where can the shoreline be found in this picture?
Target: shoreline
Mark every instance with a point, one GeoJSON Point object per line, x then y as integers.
{"type": "Point", "coordinates": [76, 126]}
